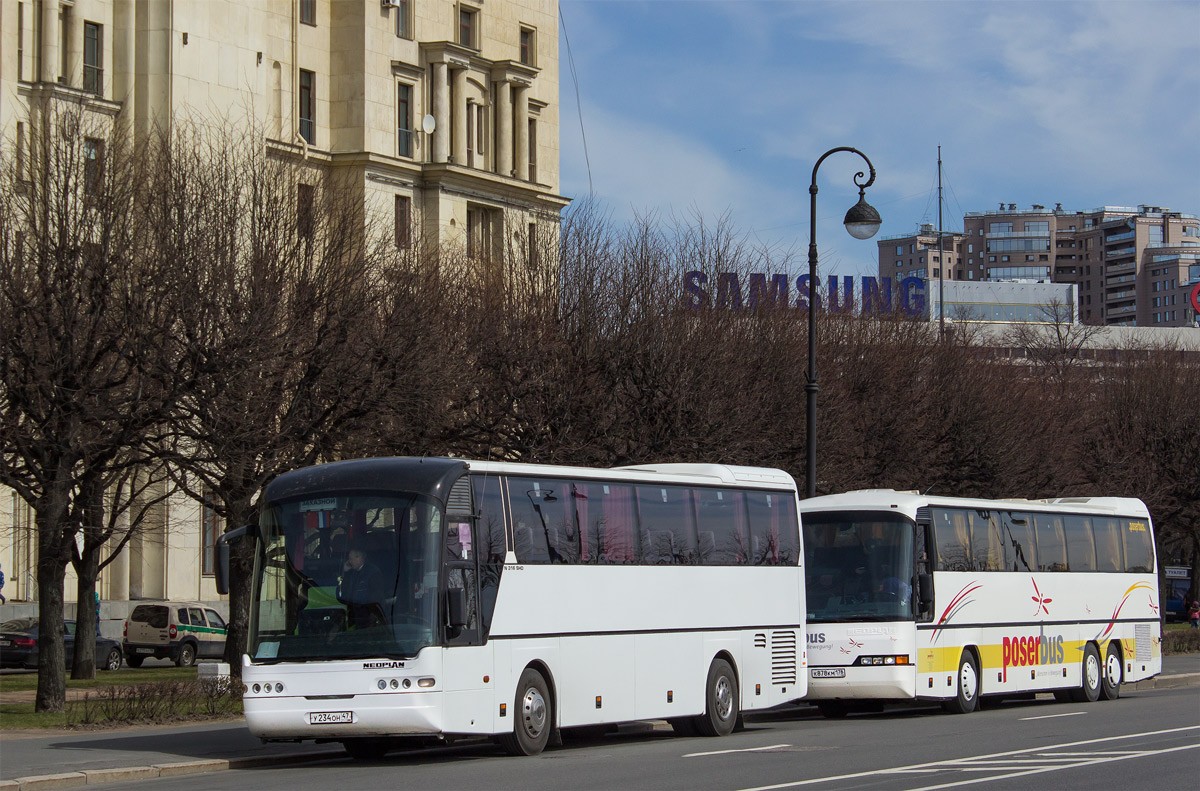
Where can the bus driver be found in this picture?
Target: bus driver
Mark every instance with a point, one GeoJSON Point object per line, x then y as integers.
{"type": "Point", "coordinates": [361, 589]}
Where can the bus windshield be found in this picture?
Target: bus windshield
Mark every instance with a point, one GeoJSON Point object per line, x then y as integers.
{"type": "Point", "coordinates": [346, 576]}
{"type": "Point", "coordinates": [859, 566]}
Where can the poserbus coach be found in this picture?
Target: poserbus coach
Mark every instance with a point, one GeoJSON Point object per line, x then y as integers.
{"type": "Point", "coordinates": [950, 599]}
{"type": "Point", "coordinates": [403, 596]}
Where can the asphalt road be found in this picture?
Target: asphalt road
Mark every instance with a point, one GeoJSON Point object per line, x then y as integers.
{"type": "Point", "coordinates": [1147, 738]}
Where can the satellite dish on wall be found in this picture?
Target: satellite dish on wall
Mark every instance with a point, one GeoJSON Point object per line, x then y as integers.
{"type": "Point", "coordinates": [428, 124]}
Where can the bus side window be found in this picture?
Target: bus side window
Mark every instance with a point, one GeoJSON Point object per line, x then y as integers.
{"type": "Point", "coordinates": [953, 539]}
{"type": "Point", "coordinates": [987, 548]}
{"type": "Point", "coordinates": [1139, 555]}
{"type": "Point", "coordinates": [1081, 548]}
{"type": "Point", "coordinates": [1109, 556]}
{"type": "Point", "coordinates": [1051, 546]}
{"type": "Point", "coordinates": [1018, 535]}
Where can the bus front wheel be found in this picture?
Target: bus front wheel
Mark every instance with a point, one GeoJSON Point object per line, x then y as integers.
{"type": "Point", "coordinates": [1110, 686]}
{"type": "Point", "coordinates": [1089, 689]}
{"type": "Point", "coordinates": [721, 701]}
{"type": "Point", "coordinates": [534, 716]}
{"type": "Point", "coordinates": [968, 686]}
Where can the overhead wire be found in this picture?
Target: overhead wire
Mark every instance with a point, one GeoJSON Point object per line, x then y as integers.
{"type": "Point", "coordinates": [578, 104]}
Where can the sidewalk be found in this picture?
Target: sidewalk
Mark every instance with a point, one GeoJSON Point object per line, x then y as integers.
{"type": "Point", "coordinates": [80, 757]}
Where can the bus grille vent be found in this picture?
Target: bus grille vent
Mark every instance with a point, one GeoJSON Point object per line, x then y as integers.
{"type": "Point", "coordinates": [783, 658]}
{"type": "Point", "coordinates": [760, 640]}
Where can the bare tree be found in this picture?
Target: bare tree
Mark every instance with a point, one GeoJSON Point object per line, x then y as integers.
{"type": "Point", "coordinates": [284, 321]}
{"type": "Point", "coordinates": [85, 340]}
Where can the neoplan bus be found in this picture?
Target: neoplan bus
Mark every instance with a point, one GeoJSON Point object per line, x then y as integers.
{"type": "Point", "coordinates": [513, 600]}
{"type": "Point", "coordinates": [949, 599]}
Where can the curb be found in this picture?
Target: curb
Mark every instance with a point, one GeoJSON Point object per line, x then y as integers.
{"type": "Point", "coordinates": [150, 772]}
{"type": "Point", "coordinates": [179, 768]}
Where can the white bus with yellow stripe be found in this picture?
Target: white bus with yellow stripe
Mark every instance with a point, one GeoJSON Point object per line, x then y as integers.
{"type": "Point", "coordinates": [953, 599]}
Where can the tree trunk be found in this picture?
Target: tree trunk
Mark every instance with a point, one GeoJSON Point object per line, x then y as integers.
{"type": "Point", "coordinates": [241, 568]}
{"type": "Point", "coordinates": [51, 572]}
{"type": "Point", "coordinates": [87, 569]}
{"type": "Point", "coordinates": [83, 664]}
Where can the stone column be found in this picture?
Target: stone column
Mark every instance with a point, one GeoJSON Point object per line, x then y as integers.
{"type": "Point", "coordinates": [504, 125]}
{"type": "Point", "coordinates": [441, 113]}
{"type": "Point", "coordinates": [459, 96]}
{"type": "Point", "coordinates": [48, 68]}
{"type": "Point", "coordinates": [522, 152]}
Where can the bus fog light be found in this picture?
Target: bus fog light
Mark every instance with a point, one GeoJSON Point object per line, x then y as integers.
{"type": "Point", "coordinates": [381, 684]}
{"type": "Point", "coordinates": [257, 688]}
{"type": "Point", "coordinates": [278, 687]}
{"type": "Point", "coordinates": [407, 683]}
{"type": "Point", "coordinates": [425, 682]}
{"type": "Point", "coordinates": [394, 684]}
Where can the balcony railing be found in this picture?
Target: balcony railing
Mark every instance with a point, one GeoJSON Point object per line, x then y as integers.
{"type": "Point", "coordinates": [1119, 237]}
{"type": "Point", "coordinates": [1124, 252]}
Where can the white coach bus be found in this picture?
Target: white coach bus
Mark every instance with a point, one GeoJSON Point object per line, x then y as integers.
{"type": "Point", "coordinates": [950, 599]}
{"type": "Point", "coordinates": [405, 596]}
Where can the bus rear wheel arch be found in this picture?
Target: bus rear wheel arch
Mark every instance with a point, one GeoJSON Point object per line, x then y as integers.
{"type": "Point", "coordinates": [967, 698]}
{"type": "Point", "coordinates": [533, 714]}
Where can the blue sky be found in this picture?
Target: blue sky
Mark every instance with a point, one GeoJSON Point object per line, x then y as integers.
{"type": "Point", "coordinates": [723, 108]}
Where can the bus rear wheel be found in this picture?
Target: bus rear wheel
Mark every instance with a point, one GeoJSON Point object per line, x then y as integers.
{"type": "Point", "coordinates": [534, 716]}
{"type": "Point", "coordinates": [1110, 684]}
{"type": "Point", "coordinates": [968, 686]}
{"type": "Point", "coordinates": [721, 697]}
{"type": "Point", "coordinates": [1089, 689]}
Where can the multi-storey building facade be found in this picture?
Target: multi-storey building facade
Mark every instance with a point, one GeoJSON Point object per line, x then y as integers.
{"type": "Point", "coordinates": [1131, 266]}
{"type": "Point", "coordinates": [444, 113]}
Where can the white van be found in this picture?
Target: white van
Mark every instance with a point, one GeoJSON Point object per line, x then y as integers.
{"type": "Point", "coordinates": [180, 631]}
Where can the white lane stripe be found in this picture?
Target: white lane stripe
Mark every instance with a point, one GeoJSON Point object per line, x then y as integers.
{"type": "Point", "coordinates": [894, 770]}
{"type": "Point", "coordinates": [743, 750]}
{"type": "Point", "coordinates": [1052, 716]}
{"type": "Point", "coordinates": [1054, 768]}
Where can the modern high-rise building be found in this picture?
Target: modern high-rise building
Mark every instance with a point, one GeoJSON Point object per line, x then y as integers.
{"type": "Point", "coordinates": [1132, 266]}
{"type": "Point", "coordinates": [445, 111]}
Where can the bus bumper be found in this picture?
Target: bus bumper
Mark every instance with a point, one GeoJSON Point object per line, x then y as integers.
{"type": "Point", "coordinates": [299, 717]}
{"type": "Point", "coordinates": [888, 682]}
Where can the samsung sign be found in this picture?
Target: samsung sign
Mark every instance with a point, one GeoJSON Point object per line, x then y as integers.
{"type": "Point", "coordinates": [733, 291]}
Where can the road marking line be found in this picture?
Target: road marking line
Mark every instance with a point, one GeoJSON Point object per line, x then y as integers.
{"type": "Point", "coordinates": [1028, 750]}
{"type": "Point", "coordinates": [1052, 768]}
{"type": "Point", "coordinates": [743, 750]}
{"type": "Point", "coordinates": [1052, 716]}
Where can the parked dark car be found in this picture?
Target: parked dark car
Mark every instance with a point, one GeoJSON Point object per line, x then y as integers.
{"type": "Point", "coordinates": [19, 645]}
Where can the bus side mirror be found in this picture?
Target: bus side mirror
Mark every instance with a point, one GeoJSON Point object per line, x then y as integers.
{"type": "Point", "coordinates": [456, 606]}
{"type": "Point", "coordinates": [925, 590]}
{"type": "Point", "coordinates": [222, 552]}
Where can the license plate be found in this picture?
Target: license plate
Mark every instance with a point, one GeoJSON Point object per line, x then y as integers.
{"type": "Point", "coordinates": [330, 717]}
{"type": "Point", "coordinates": [5, 642]}
{"type": "Point", "coordinates": [145, 650]}
{"type": "Point", "coordinates": [828, 672]}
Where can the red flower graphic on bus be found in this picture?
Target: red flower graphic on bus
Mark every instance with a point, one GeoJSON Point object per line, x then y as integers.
{"type": "Point", "coordinates": [1117, 610]}
{"type": "Point", "coordinates": [960, 600]}
{"type": "Point", "coordinates": [1041, 600]}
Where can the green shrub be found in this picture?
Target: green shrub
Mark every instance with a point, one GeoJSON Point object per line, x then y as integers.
{"type": "Point", "coordinates": [157, 702]}
{"type": "Point", "coordinates": [1181, 641]}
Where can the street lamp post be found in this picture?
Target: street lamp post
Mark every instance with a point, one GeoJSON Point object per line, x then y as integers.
{"type": "Point", "coordinates": [862, 221]}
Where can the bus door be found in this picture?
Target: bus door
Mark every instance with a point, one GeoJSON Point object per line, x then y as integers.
{"type": "Point", "coordinates": [467, 664]}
